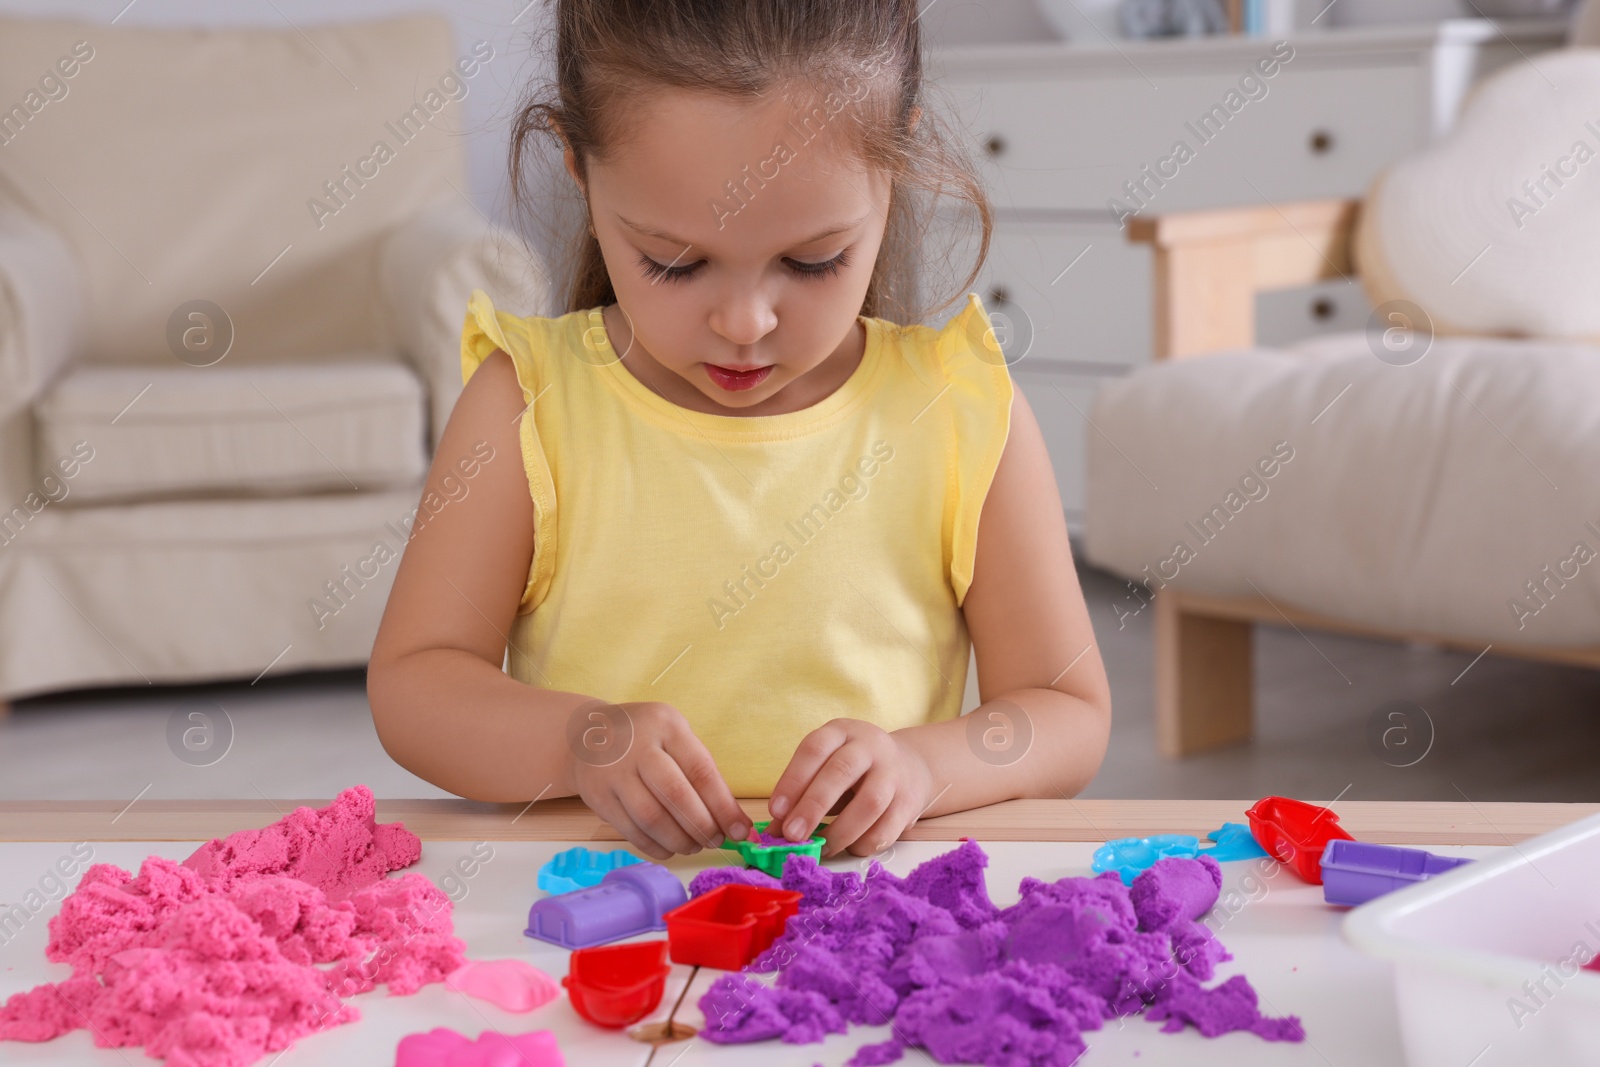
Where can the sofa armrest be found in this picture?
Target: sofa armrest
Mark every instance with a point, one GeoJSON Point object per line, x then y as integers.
{"type": "Point", "coordinates": [428, 267]}
{"type": "Point", "coordinates": [41, 309]}
{"type": "Point", "coordinates": [1211, 264]}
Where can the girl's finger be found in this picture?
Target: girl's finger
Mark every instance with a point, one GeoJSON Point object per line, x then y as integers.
{"type": "Point", "coordinates": [647, 812]}
{"type": "Point", "coordinates": [700, 771]}
{"type": "Point", "coordinates": [613, 812]}
{"type": "Point", "coordinates": [887, 830]}
{"type": "Point", "coordinates": [667, 783]}
{"type": "Point", "coordinates": [842, 770]}
{"type": "Point", "coordinates": [813, 751]}
{"type": "Point", "coordinates": [873, 796]}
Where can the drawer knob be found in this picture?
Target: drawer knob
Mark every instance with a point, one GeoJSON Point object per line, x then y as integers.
{"type": "Point", "coordinates": [999, 294]}
{"type": "Point", "coordinates": [1321, 142]}
{"type": "Point", "coordinates": [995, 145]}
{"type": "Point", "coordinates": [1322, 309]}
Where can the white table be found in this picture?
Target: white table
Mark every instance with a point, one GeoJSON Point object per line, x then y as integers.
{"type": "Point", "coordinates": [1283, 937]}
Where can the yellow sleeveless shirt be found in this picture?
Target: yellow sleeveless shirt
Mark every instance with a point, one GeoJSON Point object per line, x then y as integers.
{"type": "Point", "coordinates": [761, 574]}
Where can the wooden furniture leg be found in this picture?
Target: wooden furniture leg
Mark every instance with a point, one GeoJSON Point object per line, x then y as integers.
{"type": "Point", "coordinates": [1209, 266]}
{"type": "Point", "coordinates": [1203, 679]}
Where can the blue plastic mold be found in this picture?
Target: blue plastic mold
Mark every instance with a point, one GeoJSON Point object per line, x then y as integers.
{"type": "Point", "coordinates": [629, 900]}
{"type": "Point", "coordinates": [580, 868]}
{"type": "Point", "coordinates": [1354, 872]}
{"type": "Point", "coordinates": [1233, 842]}
{"type": "Point", "coordinates": [1130, 856]}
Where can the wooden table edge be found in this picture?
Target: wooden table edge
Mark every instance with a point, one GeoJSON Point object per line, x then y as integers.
{"type": "Point", "coordinates": [568, 819]}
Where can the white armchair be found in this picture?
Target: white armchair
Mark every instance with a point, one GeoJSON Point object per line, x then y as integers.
{"type": "Point", "coordinates": [218, 398]}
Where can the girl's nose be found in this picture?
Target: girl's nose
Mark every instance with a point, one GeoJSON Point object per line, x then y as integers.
{"type": "Point", "coordinates": [744, 318]}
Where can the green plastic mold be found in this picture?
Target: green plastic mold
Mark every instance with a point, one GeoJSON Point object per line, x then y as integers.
{"type": "Point", "coordinates": [770, 858]}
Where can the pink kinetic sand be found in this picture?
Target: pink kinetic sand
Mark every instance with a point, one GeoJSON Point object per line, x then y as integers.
{"type": "Point", "coordinates": [970, 982]}
{"type": "Point", "coordinates": [446, 1048]}
{"type": "Point", "coordinates": [219, 960]}
{"type": "Point", "coordinates": [339, 849]}
{"type": "Point", "coordinates": [513, 985]}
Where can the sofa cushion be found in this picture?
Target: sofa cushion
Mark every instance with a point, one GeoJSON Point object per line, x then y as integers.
{"type": "Point", "coordinates": [1495, 228]}
{"type": "Point", "coordinates": [126, 433]}
{"type": "Point", "coordinates": [1456, 496]}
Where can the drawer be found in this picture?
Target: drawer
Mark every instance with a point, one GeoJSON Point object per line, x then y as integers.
{"type": "Point", "coordinates": [1065, 143]}
{"type": "Point", "coordinates": [1285, 316]}
{"type": "Point", "coordinates": [1070, 293]}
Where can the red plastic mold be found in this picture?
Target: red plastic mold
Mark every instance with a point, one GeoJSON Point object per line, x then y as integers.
{"type": "Point", "coordinates": [729, 926]}
{"type": "Point", "coordinates": [616, 985]}
{"type": "Point", "coordinates": [1296, 833]}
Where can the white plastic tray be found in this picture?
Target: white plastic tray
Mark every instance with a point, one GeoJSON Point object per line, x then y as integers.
{"type": "Point", "coordinates": [1486, 957]}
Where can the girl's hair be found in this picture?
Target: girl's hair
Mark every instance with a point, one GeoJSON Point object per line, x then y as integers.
{"type": "Point", "coordinates": [852, 64]}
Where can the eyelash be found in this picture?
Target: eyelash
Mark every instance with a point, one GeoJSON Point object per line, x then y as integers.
{"type": "Point", "coordinates": [827, 268]}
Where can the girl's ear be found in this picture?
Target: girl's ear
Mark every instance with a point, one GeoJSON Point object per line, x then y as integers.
{"type": "Point", "coordinates": [911, 123]}
{"type": "Point", "coordinates": [569, 158]}
{"type": "Point", "coordinates": [571, 162]}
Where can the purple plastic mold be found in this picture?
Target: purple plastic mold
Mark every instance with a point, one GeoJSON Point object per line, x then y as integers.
{"type": "Point", "coordinates": [629, 900]}
{"type": "Point", "coordinates": [1354, 872]}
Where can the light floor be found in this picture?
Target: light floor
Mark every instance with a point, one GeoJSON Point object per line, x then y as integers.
{"type": "Point", "coordinates": [1504, 730]}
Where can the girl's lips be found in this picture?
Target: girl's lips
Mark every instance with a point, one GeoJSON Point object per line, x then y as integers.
{"type": "Point", "coordinates": [734, 381]}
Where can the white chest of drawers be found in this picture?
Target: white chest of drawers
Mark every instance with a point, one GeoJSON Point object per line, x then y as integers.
{"type": "Point", "coordinates": [1073, 136]}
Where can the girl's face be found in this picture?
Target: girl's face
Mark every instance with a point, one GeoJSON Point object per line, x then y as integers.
{"type": "Point", "coordinates": [747, 301]}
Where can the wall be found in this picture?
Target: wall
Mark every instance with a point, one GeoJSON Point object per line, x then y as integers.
{"type": "Point", "coordinates": [515, 29]}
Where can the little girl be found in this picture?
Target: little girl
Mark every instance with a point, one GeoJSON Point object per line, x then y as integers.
{"type": "Point", "coordinates": [732, 531]}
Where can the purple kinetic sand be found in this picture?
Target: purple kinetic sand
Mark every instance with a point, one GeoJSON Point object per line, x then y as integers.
{"type": "Point", "coordinates": [969, 982]}
{"type": "Point", "coordinates": [711, 877]}
{"type": "Point", "coordinates": [1175, 889]}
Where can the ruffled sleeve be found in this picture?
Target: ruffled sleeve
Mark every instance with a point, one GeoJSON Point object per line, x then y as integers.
{"type": "Point", "coordinates": [484, 331]}
{"type": "Point", "coordinates": [980, 391]}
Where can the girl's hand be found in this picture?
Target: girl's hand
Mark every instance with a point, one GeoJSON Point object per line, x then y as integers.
{"type": "Point", "coordinates": [889, 781]}
{"type": "Point", "coordinates": [664, 793]}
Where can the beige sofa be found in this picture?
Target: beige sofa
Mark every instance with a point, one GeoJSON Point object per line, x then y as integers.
{"type": "Point", "coordinates": [233, 270]}
{"type": "Point", "coordinates": [1433, 484]}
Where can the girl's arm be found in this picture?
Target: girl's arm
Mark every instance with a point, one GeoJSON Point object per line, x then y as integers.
{"type": "Point", "coordinates": [1045, 717]}
{"type": "Point", "coordinates": [443, 707]}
